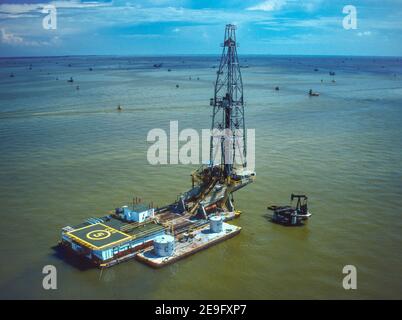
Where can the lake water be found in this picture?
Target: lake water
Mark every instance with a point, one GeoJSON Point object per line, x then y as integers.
{"type": "Point", "coordinates": [67, 154]}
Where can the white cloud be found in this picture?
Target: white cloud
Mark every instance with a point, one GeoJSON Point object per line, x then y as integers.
{"type": "Point", "coordinates": [16, 40]}
{"type": "Point", "coordinates": [311, 5]}
{"type": "Point", "coordinates": [364, 33]}
{"type": "Point", "coordinates": [283, 24]}
{"type": "Point", "coordinates": [275, 5]}
{"type": "Point", "coordinates": [269, 5]}
{"type": "Point", "coordinates": [142, 36]}
{"type": "Point", "coordinates": [15, 9]}
{"type": "Point", "coordinates": [9, 38]}
{"type": "Point", "coordinates": [76, 21]}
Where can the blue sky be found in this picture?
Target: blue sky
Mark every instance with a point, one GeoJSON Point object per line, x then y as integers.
{"type": "Point", "coordinates": [160, 27]}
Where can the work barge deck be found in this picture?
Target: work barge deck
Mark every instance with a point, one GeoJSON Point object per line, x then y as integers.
{"type": "Point", "coordinates": [109, 240]}
{"type": "Point", "coordinates": [201, 239]}
{"type": "Point", "coordinates": [198, 218]}
{"type": "Point", "coordinates": [133, 231]}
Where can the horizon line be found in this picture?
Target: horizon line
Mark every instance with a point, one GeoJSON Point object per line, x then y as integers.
{"type": "Point", "coordinates": [197, 55]}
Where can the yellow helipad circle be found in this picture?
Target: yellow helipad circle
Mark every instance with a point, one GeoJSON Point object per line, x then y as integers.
{"type": "Point", "coordinates": [98, 234]}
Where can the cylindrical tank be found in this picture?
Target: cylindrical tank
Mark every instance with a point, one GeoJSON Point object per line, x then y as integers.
{"type": "Point", "coordinates": [164, 246]}
{"type": "Point", "coordinates": [215, 224]}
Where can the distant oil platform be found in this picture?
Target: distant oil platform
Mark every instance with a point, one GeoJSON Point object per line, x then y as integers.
{"type": "Point", "coordinates": [198, 219]}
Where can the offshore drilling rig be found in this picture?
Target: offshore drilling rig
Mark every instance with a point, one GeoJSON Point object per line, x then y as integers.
{"type": "Point", "coordinates": [227, 170]}
{"type": "Point", "coordinates": [159, 236]}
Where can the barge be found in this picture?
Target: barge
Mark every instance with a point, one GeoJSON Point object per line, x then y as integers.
{"type": "Point", "coordinates": [109, 240]}
{"type": "Point", "coordinates": [188, 245]}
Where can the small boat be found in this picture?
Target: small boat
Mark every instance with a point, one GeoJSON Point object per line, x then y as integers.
{"type": "Point", "coordinates": [71, 80]}
{"type": "Point", "coordinates": [313, 94]}
{"type": "Point", "coordinates": [119, 108]}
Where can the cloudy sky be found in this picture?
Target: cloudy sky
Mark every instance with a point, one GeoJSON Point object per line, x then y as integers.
{"type": "Point", "coordinates": [159, 27]}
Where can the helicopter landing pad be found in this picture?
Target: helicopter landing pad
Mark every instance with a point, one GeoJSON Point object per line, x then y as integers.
{"type": "Point", "coordinates": [98, 236]}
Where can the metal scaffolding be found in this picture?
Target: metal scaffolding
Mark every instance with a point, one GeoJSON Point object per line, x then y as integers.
{"type": "Point", "coordinates": [228, 109]}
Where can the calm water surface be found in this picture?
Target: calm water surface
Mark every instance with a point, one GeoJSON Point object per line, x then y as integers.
{"type": "Point", "coordinates": [67, 154]}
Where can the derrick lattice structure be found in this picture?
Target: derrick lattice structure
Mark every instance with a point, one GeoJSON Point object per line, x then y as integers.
{"type": "Point", "coordinates": [228, 109]}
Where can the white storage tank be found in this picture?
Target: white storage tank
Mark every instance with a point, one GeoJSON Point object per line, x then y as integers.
{"type": "Point", "coordinates": [215, 224]}
{"type": "Point", "coordinates": [164, 245]}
